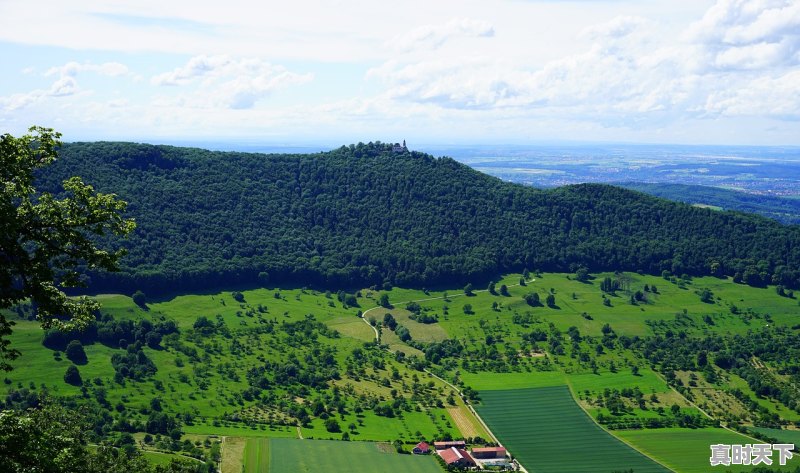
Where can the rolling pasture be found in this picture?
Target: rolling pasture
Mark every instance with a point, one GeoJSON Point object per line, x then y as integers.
{"type": "Point", "coordinates": [547, 431]}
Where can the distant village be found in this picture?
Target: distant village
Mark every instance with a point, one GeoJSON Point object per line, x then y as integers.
{"type": "Point", "coordinates": [455, 455]}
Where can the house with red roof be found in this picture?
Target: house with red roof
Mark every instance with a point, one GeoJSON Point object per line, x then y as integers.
{"type": "Point", "coordinates": [456, 457]}
{"type": "Point", "coordinates": [421, 448]}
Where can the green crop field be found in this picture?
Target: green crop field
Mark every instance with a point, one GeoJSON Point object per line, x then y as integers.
{"type": "Point", "coordinates": [783, 435]}
{"type": "Point", "coordinates": [313, 456]}
{"type": "Point", "coordinates": [257, 456]}
{"type": "Point", "coordinates": [688, 450]}
{"type": "Point", "coordinates": [546, 431]}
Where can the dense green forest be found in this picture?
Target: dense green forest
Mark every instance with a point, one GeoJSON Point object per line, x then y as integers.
{"type": "Point", "coordinates": [782, 209]}
{"type": "Point", "coordinates": [364, 215]}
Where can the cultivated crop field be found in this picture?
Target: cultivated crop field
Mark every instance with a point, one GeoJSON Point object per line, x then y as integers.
{"type": "Point", "coordinates": [547, 431]}
{"type": "Point", "coordinates": [313, 456]}
{"type": "Point", "coordinates": [256, 455]}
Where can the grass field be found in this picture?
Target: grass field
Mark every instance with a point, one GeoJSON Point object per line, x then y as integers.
{"type": "Point", "coordinates": [313, 456]}
{"type": "Point", "coordinates": [688, 450]}
{"type": "Point", "coordinates": [546, 431]}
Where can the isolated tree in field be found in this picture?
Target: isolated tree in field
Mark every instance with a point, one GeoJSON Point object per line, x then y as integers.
{"type": "Point", "coordinates": [75, 352]}
{"type": "Point", "coordinates": [468, 289]}
{"type": "Point", "coordinates": [389, 322]}
{"type": "Point", "coordinates": [73, 376]}
{"type": "Point", "coordinates": [45, 241]}
{"type": "Point", "coordinates": [492, 289]}
{"type": "Point", "coordinates": [468, 309]}
{"type": "Point", "coordinates": [139, 299]}
{"type": "Point", "coordinates": [533, 299]}
{"type": "Point", "coordinates": [383, 301]}
{"type": "Point", "coordinates": [582, 274]}
{"type": "Point", "coordinates": [551, 300]}
{"type": "Point", "coordinates": [504, 290]}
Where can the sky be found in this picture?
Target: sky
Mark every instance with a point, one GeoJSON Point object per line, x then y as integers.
{"type": "Point", "coordinates": [436, 72]}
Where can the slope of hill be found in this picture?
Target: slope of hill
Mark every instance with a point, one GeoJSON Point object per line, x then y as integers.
{"type": "Point", "coordinates": [781, 209]}
{"type": "Point", "coordinates": [363, 215]}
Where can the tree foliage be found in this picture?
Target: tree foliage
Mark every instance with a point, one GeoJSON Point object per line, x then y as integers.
{"type": "Point", "coordinates": [47, 242]}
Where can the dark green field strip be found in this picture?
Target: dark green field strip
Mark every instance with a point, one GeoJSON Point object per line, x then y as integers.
{"type": "Point", "coordinates": [548, 432]}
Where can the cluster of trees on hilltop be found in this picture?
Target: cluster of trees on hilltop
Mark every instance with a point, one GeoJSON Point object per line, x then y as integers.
{"type": "Point", "coordinates": [363, 215]}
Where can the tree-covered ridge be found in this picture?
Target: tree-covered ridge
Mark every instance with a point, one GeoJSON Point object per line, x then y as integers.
{"type": "Point", "coordinates": [366, 215]}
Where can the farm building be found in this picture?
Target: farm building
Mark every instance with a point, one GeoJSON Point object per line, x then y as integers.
{"type": "Point", "coordinates": [421, 448]}
{"type": "Point", "coordinates": [446, 445]}
{"type": "Point", "coordinates": [456, 457]}
{"type": "Point", "coordinates": [489, 452]}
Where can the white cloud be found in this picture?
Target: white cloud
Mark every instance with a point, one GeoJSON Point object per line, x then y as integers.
{"type": "Point", "coordinates": [228, 82]}
{"type": "Point", "coordinates": [196, 67]}
{"type": "Point", "coordinates": [63, 87]}
{"type": "Point", "coordinates": [778, 97]}
{"type": "Point", "coordinates": [434, 36]}
{"type": "Point", "coordinates": [111, 69]}
{"type": "Point", "coordinates": [618, 27]}
{"type": "Point", "coordinates": [739, 34]}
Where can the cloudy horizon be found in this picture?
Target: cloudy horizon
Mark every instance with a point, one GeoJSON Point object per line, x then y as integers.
{"type": "Point", "coordinates": [510, 71]}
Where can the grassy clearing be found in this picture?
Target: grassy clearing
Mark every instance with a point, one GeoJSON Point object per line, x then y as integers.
{"type": "Point", "coordinates": [688, 450]}
{"type": "Point", "coordinates": [313, 456]}
{"type": "Point", "coordinates": [547, 431]}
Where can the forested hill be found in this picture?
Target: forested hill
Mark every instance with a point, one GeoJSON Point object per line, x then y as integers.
{"type": "Point", "coordinates": [365, 215]}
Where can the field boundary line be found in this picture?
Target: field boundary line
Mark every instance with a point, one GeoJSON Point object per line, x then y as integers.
{"type": "Point", "coordinates": [575, 399]}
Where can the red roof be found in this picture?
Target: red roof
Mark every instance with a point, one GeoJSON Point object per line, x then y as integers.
{"type": "Point", "coordinates": [451, 455]}
{"type": "Point", "coordinates": [456, 455]}
{"type": "Point", "coordinates": [467, 456]}
{"type": "Point", "coordinates": [423, 446]}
